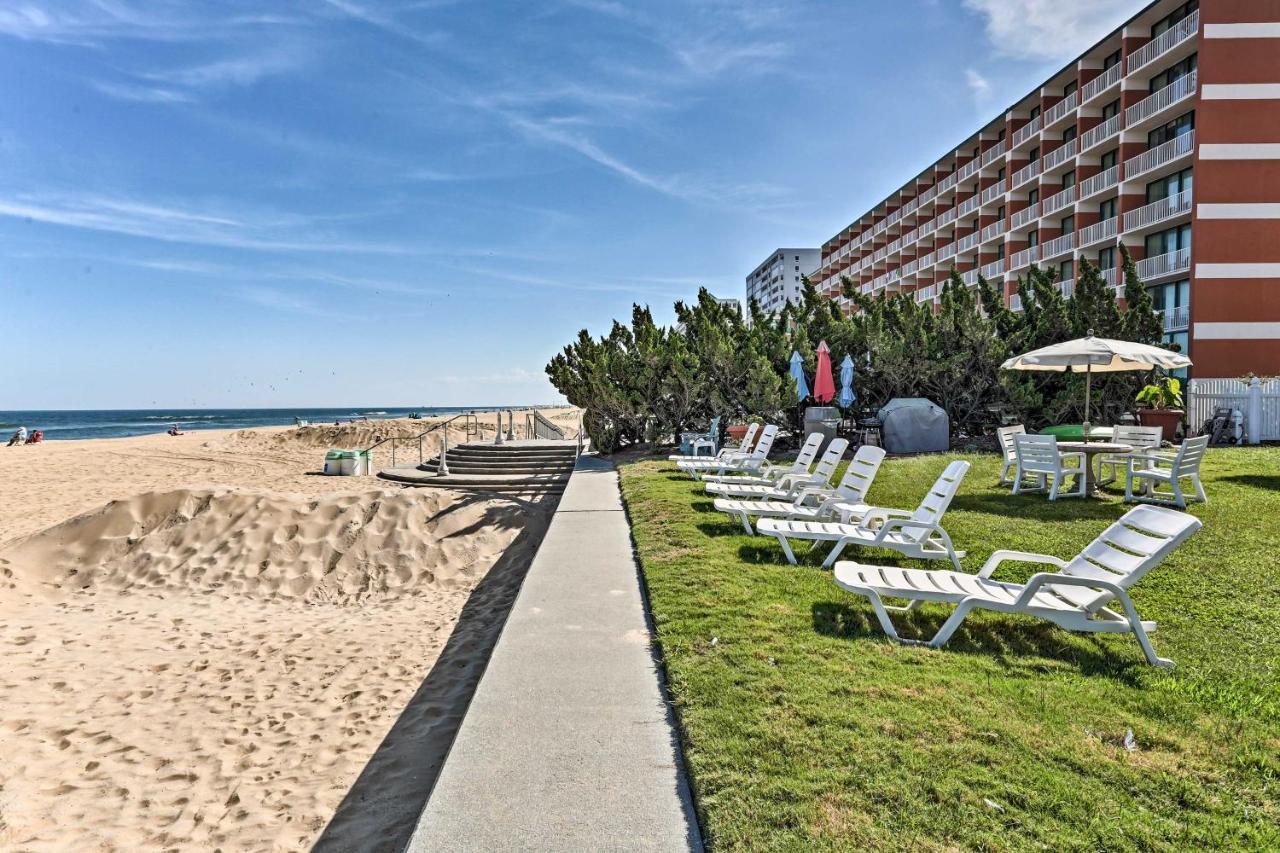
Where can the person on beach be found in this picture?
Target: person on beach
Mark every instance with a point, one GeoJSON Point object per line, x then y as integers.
{"type": "Point", "coordinates": [37, 436]}
{"type": "Point", "coordinates": [173, 430]}
{"type": "Point", "coordinates": [19, 436]}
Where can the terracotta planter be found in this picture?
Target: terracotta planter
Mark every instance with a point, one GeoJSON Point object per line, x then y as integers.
{"type": "Point", "coordinates": [1167, 419]}
{"type": "Point", "coordinates": [737, 432]}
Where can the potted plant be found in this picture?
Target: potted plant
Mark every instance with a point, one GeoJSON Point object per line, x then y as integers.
{"type": "Point", "coordinates": [1163, 399]}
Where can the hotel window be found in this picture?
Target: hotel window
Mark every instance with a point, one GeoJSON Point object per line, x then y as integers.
{"type": "Point", "coordinates": [1170, 185]}
{"type": "Point", "coordinates": [1069, 179]}
{"type": "Point", "coordinates": [1033, 238]}
{"type": "Point", "coordinates": [1034, 154]}
{"type": "Point", "coordinates": [1033, 197]}
{"type": "Point", "coordinates": [1180, 125]}
{"type": "Point", "coordinates": [1173, 73]}
{"type": "Point", "coordinates": [1107, 258]}
{"type": "Point", "coordinates": [1000, 251]}
{"type": "Point", "coordinates": [1112, 59]}
{"type": "Point", "coordinates": [1066, 270]}
{"type": "Point", "coordinates": [1111, 110]}
{"type": "Point", "coordinates": [1000, 136]}
{"type": "Point", "coordinates": [1070, 89]}
{"type": "Point", "coordinates": [1106, 210]}
{"type": "Point", "coordinates": [1035, 112]}
{"type": "Point", "coordinates": [1171, 20]}
{"type": "Point", "coordinates": [1000, 175]}
{"type": "Point", "coordinates": [1110, 159]}
{"type": "Point", "coordinates": [1069, 134]}
{"type": "Point", "coordinates": [1167, 242]}
{"type": "Point", "coordinates": [1067, 225]}
{"type": "Point", "coordinates": [1000, 213]}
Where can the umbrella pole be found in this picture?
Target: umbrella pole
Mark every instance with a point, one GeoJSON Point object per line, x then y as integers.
{"type": "Point", "coordinates": [1088, 380]}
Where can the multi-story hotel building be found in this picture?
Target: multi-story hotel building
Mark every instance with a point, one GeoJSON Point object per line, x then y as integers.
{"type": "Point", "coordinates": [777, 281]}
{"type": "Point", "coordinates": [1164, 136]}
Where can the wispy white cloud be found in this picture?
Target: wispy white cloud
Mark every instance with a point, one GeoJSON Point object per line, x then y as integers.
{"type": "Point", "coordinates": [979, 86]}
{"type": "Point", "coordinates": [94, 22]}
{"type": "Point", "coordinates": [1048, 29]}
{"type": "Point", "coordinates": [386, 22]}
{"type": "Point", "coordinates": [142, 93]}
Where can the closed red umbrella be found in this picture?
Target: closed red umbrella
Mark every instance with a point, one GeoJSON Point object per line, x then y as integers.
{"type": "Point", "coordinates": [824, 385]}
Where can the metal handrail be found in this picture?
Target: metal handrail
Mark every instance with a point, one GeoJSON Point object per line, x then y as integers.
{"type": "Point", "coordinates": [536, 423]}
{"type": "Point", "coordinates": [473, 426]}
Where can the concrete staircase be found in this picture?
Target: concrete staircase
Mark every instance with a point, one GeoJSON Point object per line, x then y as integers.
{"type": "Point", "coordinates": [514, 467]}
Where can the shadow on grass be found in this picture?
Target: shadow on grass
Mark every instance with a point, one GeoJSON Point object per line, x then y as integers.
{"type": "Point", "coordinates": [703, 506]}
{"type": "Point", "coordinates": [765, 549]}
{"type": "Point", "coordinates": [1035, 505]}
{"type": "Point", "coordinates": [1009, 640]}
{"type": "Point", "coordinates": [1267, 482]}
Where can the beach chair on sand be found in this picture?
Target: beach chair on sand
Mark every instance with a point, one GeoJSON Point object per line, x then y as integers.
{"type": "Point", "coordinates": [725, 452]}
{"type": "Point", "coordinates": [914, 534]}
{"type": "Point", "coordinates": [749, 464]}
{"type": "Point", "coordinates": [770, 472]}
{"type": "Point", "coordinates": [846, 501]}
{"type": "Point", "coordinates": [788, 486]}
{"type": "Point", "coordinates": [1074, 597]}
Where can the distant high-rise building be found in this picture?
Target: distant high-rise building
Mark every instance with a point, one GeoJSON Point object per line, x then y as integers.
{"type": "Point", "coordinates": [777, 281]}
{"type": "Point", "coordinates": [1104, 153]}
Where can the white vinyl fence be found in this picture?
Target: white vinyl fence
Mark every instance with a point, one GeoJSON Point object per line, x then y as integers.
{"type": "Point", "coordinates": [1258, 400]}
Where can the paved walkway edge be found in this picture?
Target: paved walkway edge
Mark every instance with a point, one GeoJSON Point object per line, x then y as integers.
{"type": "Point", "coordinates": [569, 743]}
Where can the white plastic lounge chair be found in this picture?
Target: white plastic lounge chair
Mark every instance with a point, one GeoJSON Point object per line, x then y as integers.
{"type": "Point", "coordinates": [1005, 435]}
{"type": "Point", "coordinates": [1038, 457]}
{"type": "Point", "coordinates": [1075, 597]}
{"type": "Point", "coordinates": [788, 485]}
{"type": "Point", "coordinates": [770, 472]}
{"type": "Point", "coordinates": [846, 501]}
{"type": "Point", "coordinates": [1170, 469]}
{"type": "Point", "coordinates": [725, 452]}
{"type": "Point", "coordinates": [1141, 439]}
{"type": "Point", "coordinates": [749, 464]}
{"type": "Point", "coordinates": [914, 534]}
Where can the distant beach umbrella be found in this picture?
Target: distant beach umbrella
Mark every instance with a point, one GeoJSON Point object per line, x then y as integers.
{"type": "Point", "coordinates": [797, 373]}
{"type": "Point", "coordinates": [847, 397]}
{"type": "Point", "coordinates": [824, 387]}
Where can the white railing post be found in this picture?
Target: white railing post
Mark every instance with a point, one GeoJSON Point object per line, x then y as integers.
{"type": "Point", "coordinates": [1253, 413]}
{"type": "Point", "coordinates": [511, 425]}
{"type": "Point", "coordinates": [497, 435]}
{"type": "Point", "coordinates": [443, 469]}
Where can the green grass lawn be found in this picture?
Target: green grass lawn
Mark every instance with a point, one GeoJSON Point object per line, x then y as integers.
{"type": "Point", "coordinates": [805, 728]}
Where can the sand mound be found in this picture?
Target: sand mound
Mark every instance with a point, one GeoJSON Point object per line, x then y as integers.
{"type": "Point", "coordinates": [336, 549]}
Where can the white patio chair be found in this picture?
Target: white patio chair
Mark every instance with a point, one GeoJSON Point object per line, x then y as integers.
{"type": "Point", "coordinates": [749, 464]}
{"type": "Point", "coordinates": [1153, 468]}
{"type": "Point", "coordinates": [1037, 456]}
{"type": "Point", "coordinates": [1141, 439]}
{"type": "Point", "coordinates": [788, 486]}
{"type": "Point", "coordinates": [771, 472]}
{"type": "Point", "coordinates": [725, 452]}
{"type": "Point", "coordinates": [1074, 597]}
{"type": "Point", "coordinates": [914, 534]}
{"type": "Point", "coordinates": [846, 501]}
{"type": "Point", "coordinates": [1005, 436]}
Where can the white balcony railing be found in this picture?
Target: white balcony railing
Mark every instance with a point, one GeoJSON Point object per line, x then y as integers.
{"type": "Point", "coordinates": [1028, 214]}
{"type": "Point", "coordinates": [948, 183]}
{"type": "Point", "coordinates": [992, 231]}
{"type": "Point", "coordinates": [947, 216]}
{"type": "Point", "coordinates": [995, 269]}
{"type": "Point", "coordinates": [1058, 201]}
{"type": "Point", "coordinates": [1067, 287]}
{"type": "Point", "coordinates": [910, 206]}
{"type": "Point", "coordinates": [1171, 263]}
{"type": "Point", "coordinates": [968, 242]}
{"type": "Point", "coordinates": [946, 252]}
{"type": "Point", "coordinates": [1096, 233]}
{"type": "Point", "coordinates": [1176, 319]}
{"type": "Point", "coordinates": [929, 194]}
{"type": "Point", "coordinates": [969, 205]}
{"type": "Point", "coordinates": [1101, 83]}
{"type": "Point", "coordinates": [1099, 182]}
{"type": "Point", "coordinates": [1109, 277]}
{"type": "Point", "coordinates": [1178, 147]}
{"type": "Point", "coordinates": [1158, 211]}
{"type": "Point", "coordinates": [969, 277]}
{"type": "Point", "coordinates": [1028, 130]}
{"type": "Point", "coordinates": [1015, 302]}
{"type": "Point", "coordinates": [928, 260]}
{"type": "Point", "coordinates": [1180, 89]}
{"type": "Point", "coordinates": [1025, 174]}
{"type": "Point", "coordinates": [1061, 109]}
{"type": "Point", "coordinates": [969, 169]}
{"type": "Point", "coordinates": [1024, 259]}
{"type": "Point", "coordinates": [1058, 246]}
{"type": "Point", "coordinates": [1060, 155]}
{"type": "Point", "coordinates": [1165, 42]}
{"type": "Point", "coordinates": [994, 152]}
{"type": "Point", "coordinates": [1100, 133]}
{"type": "Point", "coordinates": [994, 191]}
{"type": "Point", "coordinates": [927, 294]}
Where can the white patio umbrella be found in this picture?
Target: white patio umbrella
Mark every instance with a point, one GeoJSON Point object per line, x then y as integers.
{"type": "Point", "coordinates": [1089, 355]}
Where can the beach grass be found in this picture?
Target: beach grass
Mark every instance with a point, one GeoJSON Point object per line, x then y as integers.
{"type": "Point", "coordinates": [805, 728]}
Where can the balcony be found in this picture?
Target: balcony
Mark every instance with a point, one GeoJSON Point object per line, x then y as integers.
{"type": "Point", "coordinates": [927, 260]}
{"type": "Point", "coordinates": [1060, 155]}
{"type": "Point", "coordinates": [968, 242]}
{"type": "Point", "coordinates": [1177, 319]}
{"type": "Point", "coordinates": [1025, 258]}
{"type": "Point", "coordinates": [994, 192]}
{"type": "Point", "coordinates": [1099, 182]}
{"type": "Point", "coordinates": [994, 152]}
{"type": "Point", "coordinates": [1158, 211]}
{"type": "Point", "coordinates": [948, 183]}
{"type": "Point", "coordinates": [910, 206]}
{"type": "Point", "coordinates": [1163, 43]}
{"type": "Point", "coordinates": [1109, 277]}
{"type": "Point", "coordinates": [1024, 217]}
{"type": "Point", "coordinates": [969, 277]}
{"type": "Point", "coordinates": [1058, 201]}
{"type": "Point", "coordinates": [1104, 230]}
{"type": "Point", "coordinates": [894, 217]}
{"type": "Point", "coordinates": [1173, 263]}
{"type": "Point", "coordinates": [969, 169]}
{"type": "Point", "coordinates": [1027, 131]}
{"type": "Point", "coordinates": [992, 231]}
{"type": "Point", "coordinates": [1061, 109]}
{"type": "Point", "coordinates": [927, 294]}
{"type": "Point", "coordinates": [911, 236]}
{"type": "Point", "coordinates": [969, 205]}
{"type": "Point", "coordinates": [947, 217]}
{"type": "Point", "coordinates": [1058, 246]}
{"type": "Point", "coordinates": [1015, 302]}
{"type": "Point", "coordinates": [1100, 133]}
{"type": "Point", "coordinates": [947, 252]}
{"type": "Point", "coordinates": [1025, 174]}
{"type": "Point", "coordinates": [1101, 83]}
{"type": "Point", "coordinates": [894, 246]}
{"type": "Point", "coordinates": [995, 269]}
{"type": "Point", "coordinates": [929, 195]}
{"type": "Point", "coordinates": [1179, 90]}
{"type": "Point", "coordinates": [1067, 287]}
{"type": "Point", "coordinates": [1148, 161]}
{"type": "Point", "coordinates": [910, 267]}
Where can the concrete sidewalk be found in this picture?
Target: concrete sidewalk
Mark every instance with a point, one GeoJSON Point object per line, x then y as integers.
{"type": "Point", "coordinates": [568, 743]}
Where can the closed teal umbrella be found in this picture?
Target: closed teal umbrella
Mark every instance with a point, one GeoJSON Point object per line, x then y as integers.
{"type": "Point", "coordinates": [797, 373]}
{"type": "Point", "coordinates": [847, 397]}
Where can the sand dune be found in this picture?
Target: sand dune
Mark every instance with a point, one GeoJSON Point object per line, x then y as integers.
{"type": "Point", "coordinates": [204, 643]}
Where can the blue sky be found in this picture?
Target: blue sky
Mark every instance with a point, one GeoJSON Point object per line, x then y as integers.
{"type": "Point", "coordinates": [397, 202]}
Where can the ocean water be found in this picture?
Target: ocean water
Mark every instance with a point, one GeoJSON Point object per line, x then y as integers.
{"type": "Point", "coordinates": [116, 423]}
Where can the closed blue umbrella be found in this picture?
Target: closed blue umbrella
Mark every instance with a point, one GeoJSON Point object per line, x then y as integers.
{"type": "Point", "coordinates": [797, 373]}
{"type": "Point", "coordinates": [846, 383]}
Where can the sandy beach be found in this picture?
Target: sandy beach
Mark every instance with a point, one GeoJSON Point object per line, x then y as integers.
{"type": "Point", "coordinates": [204, 642]}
